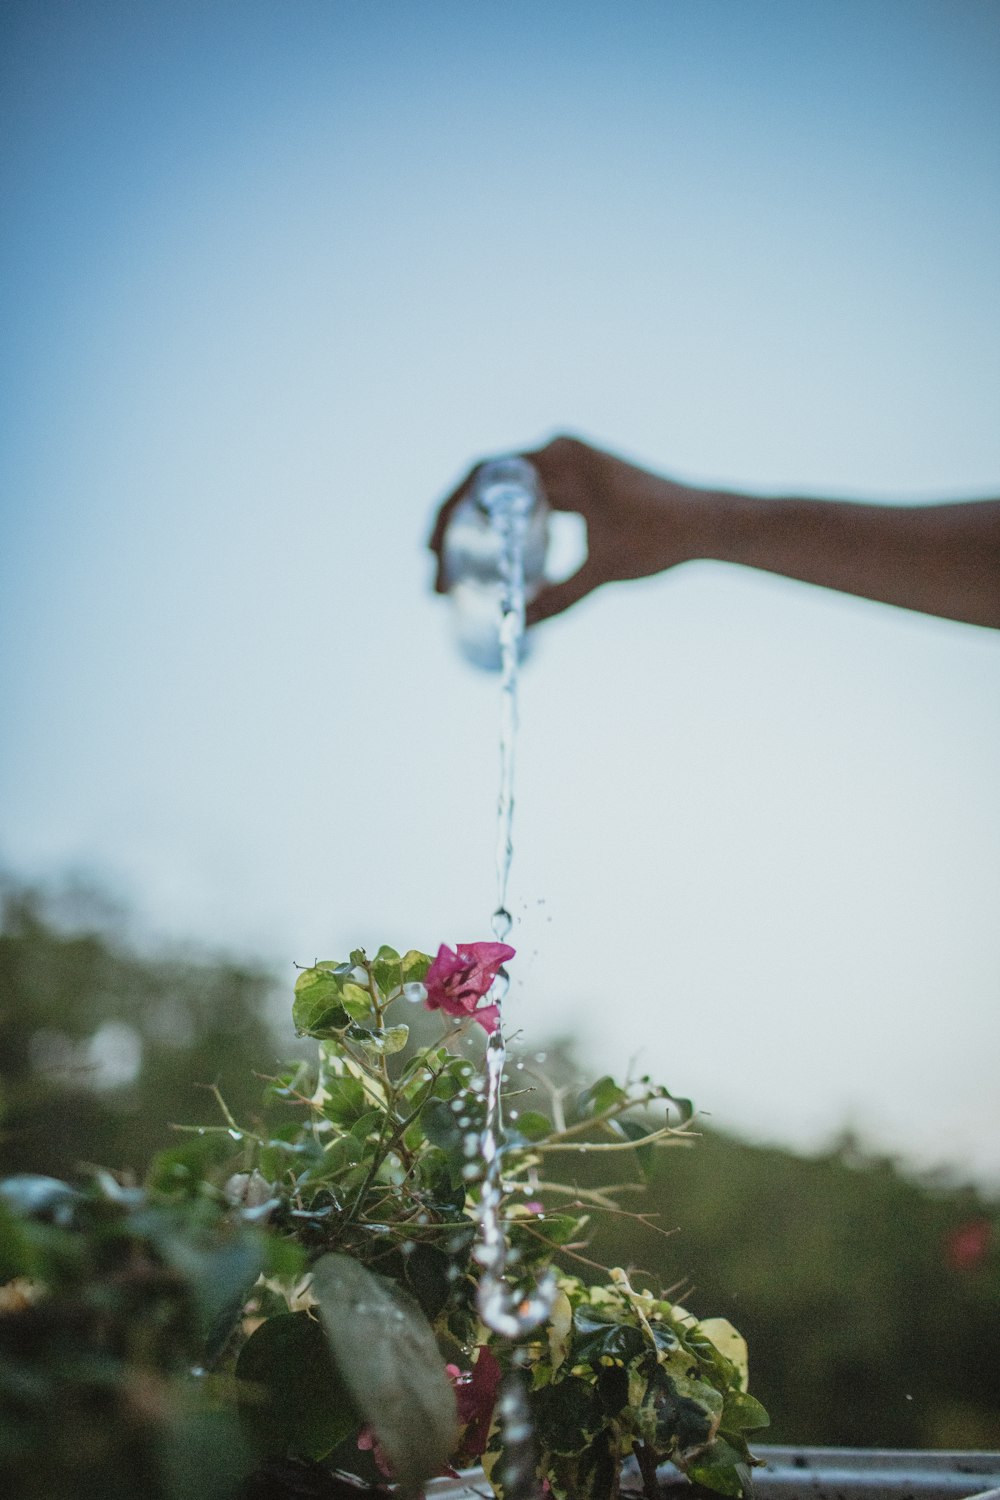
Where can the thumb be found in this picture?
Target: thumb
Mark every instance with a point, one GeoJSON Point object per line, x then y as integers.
{"type": "Point", "coordinates": [559, 596]}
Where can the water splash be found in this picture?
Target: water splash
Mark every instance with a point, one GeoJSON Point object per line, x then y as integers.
{"type": "Point", "coordinates": [507, 1309]}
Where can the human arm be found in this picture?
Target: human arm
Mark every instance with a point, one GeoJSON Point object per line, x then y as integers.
{"type": "Point", "coordinates": [939, 559]}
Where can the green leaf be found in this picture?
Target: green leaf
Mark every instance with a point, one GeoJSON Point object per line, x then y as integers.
{"type": "Point", "coordinates": [379, 1043]}
{"type": "Point", "coordinates": [356, 1001]}
{"type": "Point", "coordinates": [596, 1338]}
{"type": "Point", "coordinates": [284, 1258]}
{"type": "Point", "coordinates": [389, 1361]}
{"type": "Point", "coordinates": [359, 958]}
{"type": "Point", "coordinates": [743, 1412]}
{"type": "Point", "coordinates": [427, 1275]}
{"type": "Point", "coordinates": [533, 1125]}
{"type": "Point", "coordinates": [318, 1003]}
{"type": "Point", "coordinates": [370, 1123]}
{"type": "Point", "coordinates": [181, 1170]}
{"type": "Point", "coordinates": [602, 1095]}
{"type": "Point", "coordinates": [414, 966]}
{"type": "Point", "coordinates": [219, 1271]}
{"type": "Point", "coordinates": [386, 967]}
{"type": "Point", "coordinates": [346, 1100]}
{"type": "Point", "coordinates": [566, 1415]}
{"type": "Point", "coordinates": [687, 1413]}
{"type": "Point", "coordinates": [306, 1408]}
{"type": "Point", "coordinates": [633, 1130]}
{"type": "Point", "coordinates": [717, 1469]}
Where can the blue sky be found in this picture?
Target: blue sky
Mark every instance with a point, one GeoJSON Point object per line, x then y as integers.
{"type": "Point", "coordinates": [274, 275]}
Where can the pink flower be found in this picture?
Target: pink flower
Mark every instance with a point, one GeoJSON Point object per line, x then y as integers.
{"type": "Point", "coordinates": [456, 981]}
{"type": "Point", "coordinates": [476, 1395]}
{"type": "Point", "coordinates": [369, 1443]}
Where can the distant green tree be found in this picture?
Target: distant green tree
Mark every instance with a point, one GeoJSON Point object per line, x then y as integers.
{"type": "Point", "coordinates": [870, 1300]}
{"type": "Point", "coordinates": [102, 1048]}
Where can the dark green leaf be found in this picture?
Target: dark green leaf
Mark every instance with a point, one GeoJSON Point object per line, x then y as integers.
{"type": "Point", "coordinates": [687, 1412]}
{"type": "Point", "coordinates": [566, 1415]}
{"type": "Point", "coordinates": [389, 1361]}
{"type": "Point", "coordinates": [305, 1407]}
{"type": "Point", "coordinates": [634, 1131]}
{"type": "Point", "coordinates": [426, 1271]}
{"type": "Point", "coordinates": [183, 1168]}
{"type": "Point", "coordinates": [596, 1338]}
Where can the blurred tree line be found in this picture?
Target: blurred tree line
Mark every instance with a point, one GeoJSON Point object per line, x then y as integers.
{"type": "Point", "coordinates": [870, 1300]}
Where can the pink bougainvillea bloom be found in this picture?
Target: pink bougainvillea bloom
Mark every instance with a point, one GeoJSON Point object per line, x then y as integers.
{"type": "Point", "coordinates": [476, 1395]}
{"type": "Point", "coordinates": [457, 981]}
{"type": "Point", "coordinates": [369, 1443]}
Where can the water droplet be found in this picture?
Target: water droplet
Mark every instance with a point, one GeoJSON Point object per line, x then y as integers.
{"type": "Point", "coordinates": [408, 1247]}
{"type": "Point", "coordinates": [470, 1171]}
{"type": "Point", "coordinates": [514, 1113]}
{"type": "Point", "coordinates": [502, 921]}
{"type": "Point", "coordinates": [540, 1056]}
{"type": "Point", "coordinates": [416, 993]}
{"type": "Point", "coordinates": [236, 1135]}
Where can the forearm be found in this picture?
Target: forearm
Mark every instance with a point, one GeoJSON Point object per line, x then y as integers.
{"type": "Point", "coordinates": [940, 559]}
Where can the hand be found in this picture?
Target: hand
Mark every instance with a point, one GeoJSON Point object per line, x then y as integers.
{"type": "Point", "coordinates": [637, 523]}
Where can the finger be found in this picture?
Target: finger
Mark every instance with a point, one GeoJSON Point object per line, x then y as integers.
{"type": "Point", "coordinates": [571, 475]}
{"type": "Point", "coordinates": [559, 596]}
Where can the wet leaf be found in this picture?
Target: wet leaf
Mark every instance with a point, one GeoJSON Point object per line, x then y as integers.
{"type": "Point", "coordinates": [389, 1362]}
{"type": "Point", "coordinates": [379, 1043]}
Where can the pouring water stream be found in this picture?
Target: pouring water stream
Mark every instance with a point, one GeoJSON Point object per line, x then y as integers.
{"type": "Point", "coordinates": [503, 1307]}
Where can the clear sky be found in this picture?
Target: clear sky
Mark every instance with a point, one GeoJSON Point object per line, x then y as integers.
{"type": "Point", "coordinates": [274, 274]}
